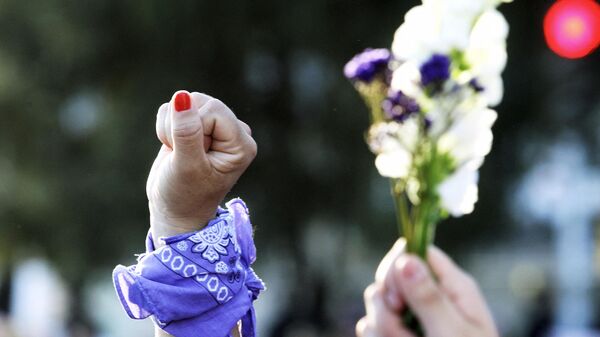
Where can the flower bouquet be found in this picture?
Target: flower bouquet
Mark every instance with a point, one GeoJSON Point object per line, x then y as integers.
{"type": "Point", "coordinates": [429, 100]}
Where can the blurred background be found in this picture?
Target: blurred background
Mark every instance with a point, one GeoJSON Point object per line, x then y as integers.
{"type": "Point", "coordinates": [80, 83]}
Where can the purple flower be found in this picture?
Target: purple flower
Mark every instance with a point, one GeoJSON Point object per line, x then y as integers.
{"type": "Point", "coordinates": [398, 106]}
{"type": "Point", "coordinates": [476, 85]}
{"type": "Point", "coordinates": [435, 70]}
{"type": "Point", "coordinates": [427, 122]}
{"type": "Point", "coordinates": [368, 64]}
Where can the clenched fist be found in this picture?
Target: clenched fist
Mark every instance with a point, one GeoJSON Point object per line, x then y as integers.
{"type": "Point", "coordinates": [205, 149]}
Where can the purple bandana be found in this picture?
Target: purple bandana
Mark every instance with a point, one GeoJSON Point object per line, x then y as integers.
{"type": "Point", "coordinates": [199, 284]}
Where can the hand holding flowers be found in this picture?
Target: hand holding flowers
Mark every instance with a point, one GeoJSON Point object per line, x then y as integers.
{"type": "Point", "coordinates": [429, 101]}
{"type": "Point", "coordinates": [449, 306]}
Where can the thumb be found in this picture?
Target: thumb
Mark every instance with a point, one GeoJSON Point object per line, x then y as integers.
{"type": "Point", "coordinates": [423, 295]}
{"type": "Point", "coordinates": [186, 130]}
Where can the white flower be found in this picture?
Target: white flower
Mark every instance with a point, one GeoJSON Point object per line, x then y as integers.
{"type": "Point", "coordinates": [493, 89]}
{"type": "Point", "coordinates": [454, 31]}
{"type": "Point", "coordinates": [490, 28]}
{"type": "Point", "coordinates": [407, 79]}
{"type": "Point", "coordinates": [437, 26]}
{"type": "Point", "coordinates": [441, 26]}
{"type": "Point", "coordinates": [416, 37]}
{"type": "Point", "coordinates": [427, 30]}
{"type": "Point", "coordinates": [459, 192]}
{"type": "Point", "coordinates": [487, 55]}
{"type": "Point", "coordinates": [394, 164]}
{"type": "Point", "coordinates": [389, 136]}
{"type": "Point", "coordinates": [451, 105]}
{"type": "Point", "coordinates": [439, 118]}
{"type": "Point", "coordinates": [466, 8]}
{"type": "Point", "coordinates": [470, 137]}
{"type": "Point", "coordinates": [393, 143]}
{"type": "Point", "coordinates": [486, 60]}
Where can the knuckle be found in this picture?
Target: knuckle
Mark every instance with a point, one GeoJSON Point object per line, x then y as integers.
{"type": "Point", "coordinates": [217, 104]}
{"type": "Point", "coordinates": [148, 191]}
{"type": "Point", "coordinates": [370, 292]}
{"type": "Point", "coordinates": [229, 166]}
{"type": "Point", "coordinates": [252, 149]}
{"type": "Point", "coordinates": [245, 126]}
{"type": "Point", "coordinates": [188, 130]}
{"type": "Point", "coordinates": [200, 99]}
{"type": "Point", "coordinates": [160, 114]}
{"type": "Point", "coordinates": [427, 294]}
{"type": "Point", "coordinates": [361, 327]}
{"type": "Point", "coordinates": [246, 152]}
{"type": "Point", "coordinates": [162, 108]}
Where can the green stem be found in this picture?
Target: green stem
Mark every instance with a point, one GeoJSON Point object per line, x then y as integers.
{"type": "Point", "coordinates": [423, 243]}
{"type": "Point", "coordinates": [373, 94]}
{"type": "Point", "coordinates": [402, 218]}
{"type": "Point", "coordinates": [412, 244]}
{"type": "Point", "coordinates": [375, 108]}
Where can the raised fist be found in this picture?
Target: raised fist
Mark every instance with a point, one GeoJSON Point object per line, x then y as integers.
{"type": "Point", "coordinates": [205, 150]}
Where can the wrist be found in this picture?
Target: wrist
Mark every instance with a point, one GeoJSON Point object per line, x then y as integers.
{"type": "Point", "coordinates": [163, 224]}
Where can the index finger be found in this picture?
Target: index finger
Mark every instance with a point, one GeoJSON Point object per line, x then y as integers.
{"type": "Point", "coordinates": [199, 98]}
{"type": "Point", "coordinates": [219, 121]}
{"type": "Point", "coordinates": [388, 260]}
{"type": "Point", "coordinates": [384, 275]}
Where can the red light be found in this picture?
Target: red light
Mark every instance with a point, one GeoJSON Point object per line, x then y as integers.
{"type": "Point", "coordinates": [572, 27]}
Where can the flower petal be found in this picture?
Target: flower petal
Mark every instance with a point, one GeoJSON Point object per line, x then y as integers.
{"type": "Point", "coordinates": [459, 192]}
{"type": "Point", "coordinates": [470, 137]}
{"type": "Point", "coordinates": [406, 79]}
{"type": "Point", "coordinates": [394, 164]}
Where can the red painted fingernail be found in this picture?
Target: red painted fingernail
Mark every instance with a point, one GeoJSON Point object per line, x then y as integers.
{"type": "Point", "coordinates": [182, 101]}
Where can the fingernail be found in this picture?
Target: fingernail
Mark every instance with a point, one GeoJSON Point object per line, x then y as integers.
{"type": "Point", "coordinates": [392, 300]}
{"type": "Point", "coordinates": [413, 270]}
{"type": "Point", "coordinates": [182, 101]}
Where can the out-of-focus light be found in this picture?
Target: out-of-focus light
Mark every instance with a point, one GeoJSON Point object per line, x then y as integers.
{"type": "Point", "coordinates": [527, 281]}
{"type": "Point", "coordinates": [572, 27]}
{"type": "Point", "coordinates": [81, 114]}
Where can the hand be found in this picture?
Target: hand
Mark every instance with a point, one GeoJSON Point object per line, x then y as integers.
{"type": "Point", "coordinates": [205, 150]}
{"type": "Point", "coordinates": [449, 307]}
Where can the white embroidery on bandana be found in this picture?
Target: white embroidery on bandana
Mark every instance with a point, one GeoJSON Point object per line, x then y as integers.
{"type": "Point", "coordinates": [212, 241]}
{"type": "Point", "coordinates": [182, 246]}
{"type": "Point", "coordinates": [221, 268]}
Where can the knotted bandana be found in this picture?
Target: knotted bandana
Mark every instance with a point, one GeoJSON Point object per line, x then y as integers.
{"type": "Point", "coordinates": [199, 284]}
